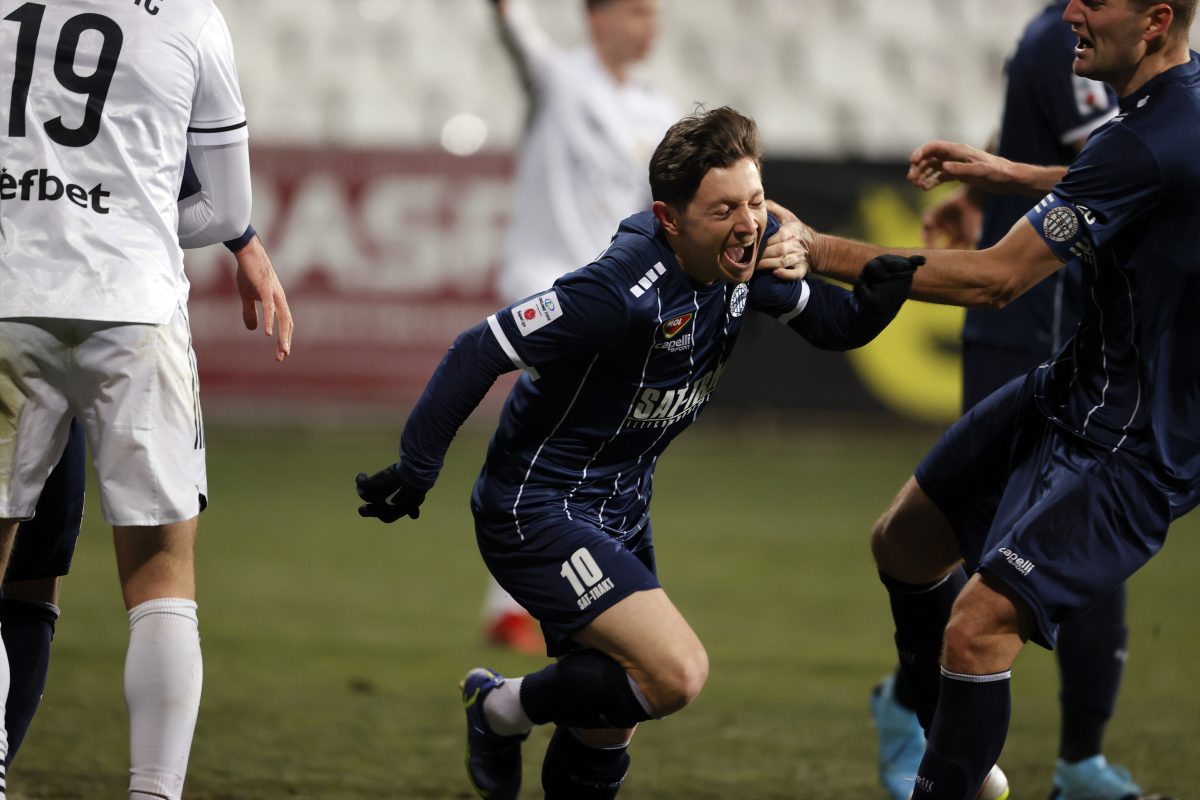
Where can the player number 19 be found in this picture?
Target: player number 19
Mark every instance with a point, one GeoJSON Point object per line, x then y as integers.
{"type": "Point", "coordinates": [94, 84]}
{"type": "Point", "coordinates": [581, 571]}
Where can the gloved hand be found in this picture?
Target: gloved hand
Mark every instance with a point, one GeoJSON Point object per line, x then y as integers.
{"type": "Point", "coordinates": [387, 497]}
{"type": "Point", "coordinates": [884, 283]}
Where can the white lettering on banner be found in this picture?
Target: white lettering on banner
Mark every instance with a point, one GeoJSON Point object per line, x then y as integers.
{"type": "Point", "coordinates": [318, 231]}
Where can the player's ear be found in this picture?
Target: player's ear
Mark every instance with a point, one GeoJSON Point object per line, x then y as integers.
{"type": "Point", "coordinates": [1158, 19]}
{"type": "Point", "coordinates": [667, 216]}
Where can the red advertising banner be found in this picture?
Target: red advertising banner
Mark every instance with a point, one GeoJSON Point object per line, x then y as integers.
{"type": "Point", "coordinates": [385, 256]}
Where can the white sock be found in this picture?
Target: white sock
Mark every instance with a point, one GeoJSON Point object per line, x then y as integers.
{"type": "Point", "coordinates": [163, 676]}
{"type": "Point", "coordinates": [503, 710]}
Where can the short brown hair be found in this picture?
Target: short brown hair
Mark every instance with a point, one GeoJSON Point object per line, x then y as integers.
{"type": "Point", "coordinates": [699, 142]}
{"type": "Point", "coordinates": [1184, 10]}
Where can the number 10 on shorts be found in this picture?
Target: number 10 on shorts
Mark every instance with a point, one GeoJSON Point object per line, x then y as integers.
{"type": "Point", "coordinates": [585, 577]}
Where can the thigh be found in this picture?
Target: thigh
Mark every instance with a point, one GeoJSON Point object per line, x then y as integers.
{"type": "Point", "coordinates": [137, 391]}
{"type": "Point", "coordinates": [564, 571]}
{"type": "Point", "coordinates": [34, 414]}
{"type": "Point", "coordinates": [966, 472]}
{"type": "Point", "coordinates": [46, 543]}
{"type": "Point", "coordinates": [1074, 523]}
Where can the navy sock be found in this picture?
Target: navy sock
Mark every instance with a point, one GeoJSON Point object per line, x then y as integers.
{"type": "Point", "coordinates": [28, 629]}
{"type": "Point", "coordinates": [1091, 660]}
{"type": "Point", "coordinates": [574, 770]}
{"type": "Point", "coordinates": [967, 736]}
{"type": "Point", "coordinates": [583, 690]}
{"type": "Point", "coordinates": [921, 614]}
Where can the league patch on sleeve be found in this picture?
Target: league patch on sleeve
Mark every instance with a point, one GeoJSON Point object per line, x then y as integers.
{"type": "Point", "coordinates": [537, 313]}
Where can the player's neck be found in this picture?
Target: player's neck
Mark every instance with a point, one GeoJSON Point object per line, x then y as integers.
{"type": "Point", "coordinates": [1152, 65]}
{"type": "Point", "coordinates": [616, 67]}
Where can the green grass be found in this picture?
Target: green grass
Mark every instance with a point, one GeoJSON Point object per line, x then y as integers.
{"type": "Point", "coordinates": [333, 645]}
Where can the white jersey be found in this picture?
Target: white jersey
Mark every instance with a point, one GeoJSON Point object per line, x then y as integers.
{"type": "Point", "coordinates": [106, 95]}
{"type": "Point", "coordinates": [584, 164]}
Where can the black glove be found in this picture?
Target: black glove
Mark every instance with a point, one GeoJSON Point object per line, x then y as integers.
{"type": "Point", "coordinates": [885, 282]}
{"type": "Point", "coordinates": [387, 497]}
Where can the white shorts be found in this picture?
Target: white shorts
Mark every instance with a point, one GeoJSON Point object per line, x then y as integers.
{"type": "Point", "coordinates": [135, 389]}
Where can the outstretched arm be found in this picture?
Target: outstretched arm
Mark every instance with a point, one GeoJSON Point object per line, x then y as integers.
{"type": "Point", "coordinates": [937, 162]}
{"type": "Point", "coordinates": [528, 45]}
{"type": "Point", "coordinates": [989, 278]}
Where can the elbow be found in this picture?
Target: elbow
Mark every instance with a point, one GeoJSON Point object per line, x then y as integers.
{"type": "Point", "coordinates": [998, 296]}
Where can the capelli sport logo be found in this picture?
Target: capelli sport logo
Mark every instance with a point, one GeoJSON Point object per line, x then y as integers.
{"type": "Point", "coordinates": [672, 339]}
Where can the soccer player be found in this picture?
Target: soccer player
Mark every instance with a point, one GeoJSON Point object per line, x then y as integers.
{"type": "Point", "coordinates": [93, 319]}
{"type": "Point", "coordinates": [619, 357]}
{"type": "Point", "coordinates": [1048, 114]}
{"type": "Point", "coordinates": [45, 545]}
{"type": "Point", "coordinates": [1059, 486]}
{"type": "Point", "coordinates": [580, 170]}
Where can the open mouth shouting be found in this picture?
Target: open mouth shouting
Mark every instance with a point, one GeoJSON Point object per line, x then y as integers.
{"type": "Point", "coordinates": [737, 260]}
{"type": "Point", "coordinates": [1083, 47]}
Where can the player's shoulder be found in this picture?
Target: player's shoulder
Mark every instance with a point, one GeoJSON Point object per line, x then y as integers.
{"type": "Point", "coordinates": [634, 264]}
{"type": "Point", "coordinates": [169, 19]}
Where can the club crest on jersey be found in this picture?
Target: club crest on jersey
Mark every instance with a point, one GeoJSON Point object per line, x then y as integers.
{"type": "Point", "coordinates": [536, 312]}
{"type": "Point", "coordinates": [737, 301]}
{"type": "Point", "coordinates": [1060, 224]}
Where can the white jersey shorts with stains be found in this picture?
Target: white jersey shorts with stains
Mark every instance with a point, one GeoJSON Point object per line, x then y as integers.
{"type": "Point", "coordinates": [134, 388]}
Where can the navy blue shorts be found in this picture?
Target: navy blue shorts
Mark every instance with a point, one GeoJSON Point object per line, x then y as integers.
{"type": "Point", "coordinates": [1061, 521]}
{"type": "Point", "coordinates": [564, 571]}
{"type": "Point", "coordinates": [46, 543]}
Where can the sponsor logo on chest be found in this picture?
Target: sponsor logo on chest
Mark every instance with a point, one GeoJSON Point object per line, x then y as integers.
{"type": "Point", "coordinates": [672, 336]}
{"type": "Point", "coordinates": [658, 408]}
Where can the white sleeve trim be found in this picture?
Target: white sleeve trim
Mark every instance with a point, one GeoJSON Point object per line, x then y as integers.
{"type": "Point", "coordinates": [508, 349]}
{"type": "Point", "coordinates": [801, 304]}
{"type": "Point", "coordinates": [1083, 131]}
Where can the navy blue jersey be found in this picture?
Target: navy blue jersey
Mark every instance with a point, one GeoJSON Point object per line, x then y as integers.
{"type": "Point", "coordinates": [619, 358]}
{"type": "Point", "coordinates": [1047, 109]}
{"type": "Point", "coordinates": [1129, 210]}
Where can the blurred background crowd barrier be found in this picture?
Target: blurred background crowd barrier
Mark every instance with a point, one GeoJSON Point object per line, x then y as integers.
{"type": "Point", "coordinates": [383, 134]}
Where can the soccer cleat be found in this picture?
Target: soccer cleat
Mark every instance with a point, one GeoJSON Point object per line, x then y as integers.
{"type": "Point", "coordinates": [493, 761]}
{"type": "Point", "coordinates": [518, 631]}
{"type": "Point", "coordinates": [900, 737]}
{"type": "Point", "coordinates": [995, 785]}
{"type": "Point", "coordinates": [1095, 779]}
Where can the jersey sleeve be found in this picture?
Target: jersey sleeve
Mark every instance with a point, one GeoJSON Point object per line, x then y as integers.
{"type": "Point", "coordinates": [826, 316]}
{"type": "Point", "coordinates": [1115, 180]}
{"type": "Point", "coordinates": [582, 313]}
{"type": "Point", "coordinates": [218, 116]}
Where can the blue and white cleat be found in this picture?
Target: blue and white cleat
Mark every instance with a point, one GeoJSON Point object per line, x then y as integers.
{"type": "Point", "coordinates": [1095, 779]}
{"type": "Point", "coordinates": [493, 761]}
{"type": "Point", "coordinates": [900, 737]}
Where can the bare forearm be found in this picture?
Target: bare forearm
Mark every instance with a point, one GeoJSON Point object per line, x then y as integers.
{"type": "Point", "coordinates": [1031, 180]}
{"type": "Point", "coordinates": [951, 277]}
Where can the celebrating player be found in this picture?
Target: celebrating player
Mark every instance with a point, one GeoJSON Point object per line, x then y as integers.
{"type": "Point", "coordinates": [581, 169]}
{"type": "Point", "coordinates": [619, 357]}
{"type": "Point", "coordinates": [1060, 485]}
{"type": "Point", "coordinates": [93, 319]}
{"type": "Point", "coordinates": [1048, 114]}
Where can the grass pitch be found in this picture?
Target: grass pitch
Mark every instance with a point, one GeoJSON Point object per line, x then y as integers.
{"type": "Point", "coordinates": [333, 645]}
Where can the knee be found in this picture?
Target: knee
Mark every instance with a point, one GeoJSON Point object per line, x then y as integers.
{"type": "Point", "coordinates": [676, 682]}
{"type": "Point", "coordinates": [964, 648]}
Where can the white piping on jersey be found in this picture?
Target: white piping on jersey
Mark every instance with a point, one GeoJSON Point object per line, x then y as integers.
{"type": "Point", "coordinates": [801, 304]}
{"type": "Point", "coordinates": [1060, 280]}
{"type": "Point", "coordinates": [1103, 359]}
{"type": "Point", "coordinates": [1137, 355]}
{"type": "Point", "coordinates": [508, 349]}
{"type": "Point", "coordinates": [647, 280]}
{"type": "Point", "coordinates": [665, 428]}
{"type": "Point", "coordinates": [549, 436]}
